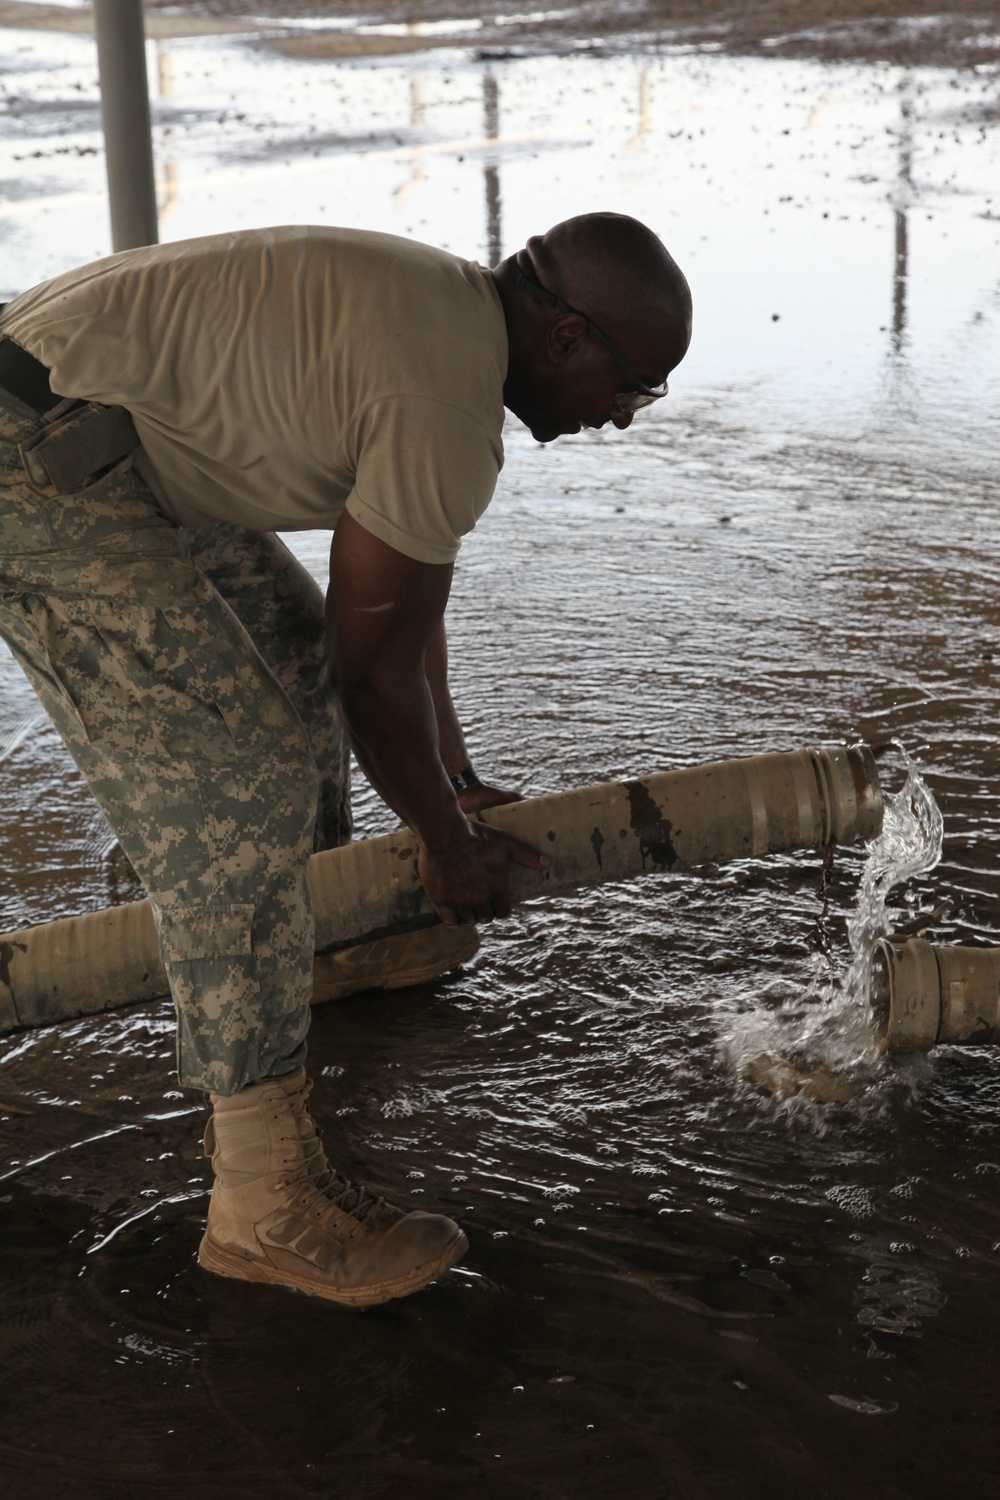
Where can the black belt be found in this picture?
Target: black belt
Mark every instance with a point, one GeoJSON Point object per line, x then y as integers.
{"type": "Point", "coordinates": [25, 377]}
{"type": "Point", "coordinates": [78, 444]}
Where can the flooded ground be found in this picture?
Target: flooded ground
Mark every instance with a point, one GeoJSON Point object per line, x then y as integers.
{"type": "Point", "coordinates": [681, 1282]}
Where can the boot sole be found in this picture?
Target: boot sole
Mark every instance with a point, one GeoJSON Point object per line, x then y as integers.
{"type": "Point", "coordinates": [232, 1263]}
{"type": "Point", "coordinates": [329, 983]}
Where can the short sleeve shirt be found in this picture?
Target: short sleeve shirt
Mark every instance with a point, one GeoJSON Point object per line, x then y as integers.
{"type": "Point", "coordinates": [277, 376]}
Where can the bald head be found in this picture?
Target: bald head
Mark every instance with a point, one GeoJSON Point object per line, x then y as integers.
{"type": "Point", "coordinates": [618, 272]}
{"type": "Point", "coordinates": [597, 310]}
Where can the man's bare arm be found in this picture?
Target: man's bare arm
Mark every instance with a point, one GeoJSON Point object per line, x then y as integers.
{"type": "Point", "coordinates": [451, 741]}
{"type": "Point", "coordinates": [384, 612]}
{"type": "Point", "coordinates": [383, 609]}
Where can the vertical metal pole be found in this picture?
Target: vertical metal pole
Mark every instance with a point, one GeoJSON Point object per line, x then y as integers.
{"type": "Point", "coordinates": [121, 61]}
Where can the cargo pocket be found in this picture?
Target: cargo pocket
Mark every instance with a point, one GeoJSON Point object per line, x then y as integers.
{"type": "Point", "coordinates": [201, 934]}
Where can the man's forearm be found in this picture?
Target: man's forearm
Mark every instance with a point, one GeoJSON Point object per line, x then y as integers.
{"type": "Point", "coordinates": [385, 621]}
{"type": "Point", "coordinates": [392, 725]}
{"type": "Point", "coordinates": [451, 741]}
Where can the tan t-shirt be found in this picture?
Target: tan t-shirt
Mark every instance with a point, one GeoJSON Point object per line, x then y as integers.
{"type": "Point", "coordinates": [277, 375]}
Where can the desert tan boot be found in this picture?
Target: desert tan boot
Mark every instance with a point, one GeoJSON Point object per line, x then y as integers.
{"type": "Point", "coordinates": [280, 1213]}
{"type": "Point", "coordinates": [392, 963]}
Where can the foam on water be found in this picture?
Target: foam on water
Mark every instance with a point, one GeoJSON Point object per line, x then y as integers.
{"type": "Point", "coordinates": [818, 1045]}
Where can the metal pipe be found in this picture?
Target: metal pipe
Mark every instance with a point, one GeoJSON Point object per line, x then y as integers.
{"type": "Point", "coordinates": [369, 890]}
{"type": "Point", "coordinates": [121, 61]}
{"type": "Point", "coordinates": [922, 995]}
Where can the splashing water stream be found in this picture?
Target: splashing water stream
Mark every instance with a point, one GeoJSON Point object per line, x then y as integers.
{"type": "Point", "coordinates": [909, 845]}
{"type": "Point", "coordinates": [820, 1044]}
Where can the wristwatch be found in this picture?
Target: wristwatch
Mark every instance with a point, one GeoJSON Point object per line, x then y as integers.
{"type": "Point", "coordinates": [464, 778]}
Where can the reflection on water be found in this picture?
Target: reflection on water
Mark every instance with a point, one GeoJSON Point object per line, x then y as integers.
{"type": "Point", "coordinates": [491, 171]}
{"type": "Point", "coordinates": [903, 202]}
{"type": "Point", "coordinates": [678, 1283]}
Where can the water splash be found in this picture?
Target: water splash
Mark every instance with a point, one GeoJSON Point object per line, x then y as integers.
{"type": "Point", "coordinates": [817, 1045]}
{"type": "Point", "coordinates": [910, 844]}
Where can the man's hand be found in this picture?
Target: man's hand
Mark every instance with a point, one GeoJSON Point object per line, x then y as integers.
{"type": "Point", "coordinates": [476, 799]}
{"type": "Point", "coordinates": [467, 878]}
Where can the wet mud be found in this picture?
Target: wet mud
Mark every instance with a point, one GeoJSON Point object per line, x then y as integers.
{"type": "Point", "coordinates": [719, 1245]}
{"type": "Point", "coordinates": [909, 33]}
{"type": "Point", "coordinates": [906, 32]}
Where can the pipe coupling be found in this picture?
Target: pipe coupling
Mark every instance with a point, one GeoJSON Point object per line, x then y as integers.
{"type": "Point", "coordinates": [851, 793]}
{"type": "Point", "coordinates": [922, 995]}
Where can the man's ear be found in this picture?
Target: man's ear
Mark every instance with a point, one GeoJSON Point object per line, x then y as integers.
{"type": "Point", "coordinates": [566, 334]}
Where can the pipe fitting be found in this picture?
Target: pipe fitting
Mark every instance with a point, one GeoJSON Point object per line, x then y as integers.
{"type": "Point", "coordinates": [852, 793]}
{"type": "Point", "coordinates": [922, 995]}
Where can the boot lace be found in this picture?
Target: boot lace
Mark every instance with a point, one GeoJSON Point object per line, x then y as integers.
{"type": "Point", "coordinates": [311, 1171]}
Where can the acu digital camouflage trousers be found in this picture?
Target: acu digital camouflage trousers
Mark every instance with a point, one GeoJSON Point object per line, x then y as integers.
{"type": "Point", "coordinates": [184, 670]}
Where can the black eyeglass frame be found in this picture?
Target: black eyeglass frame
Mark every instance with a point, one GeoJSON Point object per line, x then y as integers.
{"type": "Point", "coordinates": [639, 387]}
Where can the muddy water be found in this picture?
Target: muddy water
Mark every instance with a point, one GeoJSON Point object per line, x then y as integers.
{"type": "Point", "coordinates": [687, 1276]}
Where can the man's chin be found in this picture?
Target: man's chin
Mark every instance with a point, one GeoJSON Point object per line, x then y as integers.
{"type": "Point", "coordinates": [547, 434]}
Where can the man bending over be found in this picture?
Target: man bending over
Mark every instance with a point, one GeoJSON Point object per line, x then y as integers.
{"type": "Point", "coordinates": [163, 413]}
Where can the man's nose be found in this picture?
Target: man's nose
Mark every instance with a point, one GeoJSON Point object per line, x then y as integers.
{"type": "Point", "coordinates": [622, 419]}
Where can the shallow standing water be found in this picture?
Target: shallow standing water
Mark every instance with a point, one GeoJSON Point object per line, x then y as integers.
{"type": "Point", "coordinates": [679, 1284]}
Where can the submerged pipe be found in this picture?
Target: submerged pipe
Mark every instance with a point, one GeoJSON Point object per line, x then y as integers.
{"type": "Point", "coordinates": [367, 890]}
{"type": "Point", "coordinates": [922, 995]}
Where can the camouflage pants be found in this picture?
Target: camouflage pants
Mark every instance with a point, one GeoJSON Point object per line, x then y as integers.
{"type": "Point", "coordinates": [184, 670]}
